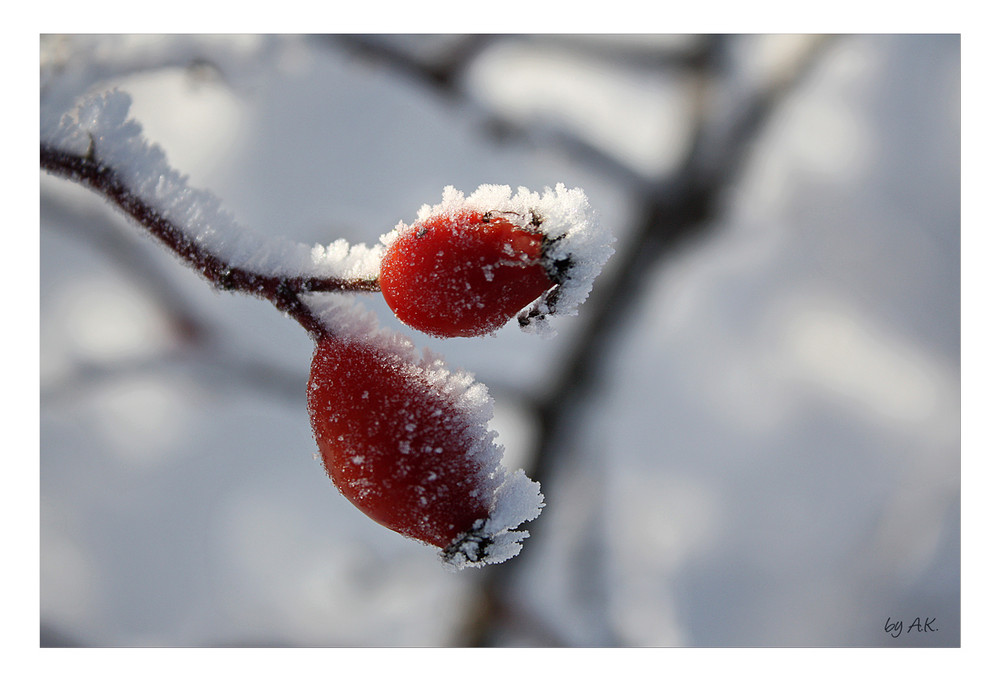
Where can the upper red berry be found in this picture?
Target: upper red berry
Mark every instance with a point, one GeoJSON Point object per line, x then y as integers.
{"type": "Point", "coordinates": [463, 274]}
{"type": "Point", "coordinates": [399, 448]}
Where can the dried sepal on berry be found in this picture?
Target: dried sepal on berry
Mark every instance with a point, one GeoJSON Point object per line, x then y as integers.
{"type": "Point", "coordinates": [468, 265]}
{"type": "Point", "coordinates": [406, 441]}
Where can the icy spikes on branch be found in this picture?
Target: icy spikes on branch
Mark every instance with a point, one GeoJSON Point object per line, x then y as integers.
{"type": "Point", "coordinates": [100, 132]}
{"type": "Point", "coordinates": [470, 264]}
{"type": "Point", "coordinates": [405, 440]}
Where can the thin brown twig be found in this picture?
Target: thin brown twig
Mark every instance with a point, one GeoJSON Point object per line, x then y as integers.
{"type": "Point", "coordinates": [281, 290]}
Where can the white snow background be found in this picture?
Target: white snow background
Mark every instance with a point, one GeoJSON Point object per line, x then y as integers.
{"type": "Point", "coordinates": [773, 460]}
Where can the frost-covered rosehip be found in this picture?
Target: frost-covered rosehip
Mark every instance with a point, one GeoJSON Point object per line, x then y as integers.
{"type": "Point", "coordinates": [407, 444]}
{"type": "Point", "coordinates": [469, 265]}
{"type": "Point", "coordinates": [463, 274]}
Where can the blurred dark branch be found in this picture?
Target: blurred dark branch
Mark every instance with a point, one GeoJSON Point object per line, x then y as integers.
{"type": "Point", "coordinates": [441, 72]}
{"type": "Point", "coordinates": [212, 366]}
{"type": "Point", "coordinates": [202, 57]}
{"type": "Point", "coordinates": [633, 52]}
{"type": "Point", "coordinates": [96, 230]}
{"type": "Point", "coordinates": [686, 206]}
{"type": "Point", "coordinates": [443, 76]}
{"type": "Point", "coordinates": [532, 626]}
{"type": "Point", "coordinates": [683, 208]}
{"type": "Point", "coordinates": [210, 360]}
{"type": "Point", "coordinates": [282, 291]}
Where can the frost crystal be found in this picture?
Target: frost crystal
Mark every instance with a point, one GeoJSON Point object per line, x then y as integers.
{"type": "Point", "coordinates": [100, 124]}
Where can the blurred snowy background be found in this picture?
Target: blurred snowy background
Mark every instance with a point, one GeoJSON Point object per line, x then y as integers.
{"type": "Point", "coordinates": [749, 436]}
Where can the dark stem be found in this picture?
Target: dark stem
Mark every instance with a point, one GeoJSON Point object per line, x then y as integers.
{"type": "Point", "coordinates": [281, 290]}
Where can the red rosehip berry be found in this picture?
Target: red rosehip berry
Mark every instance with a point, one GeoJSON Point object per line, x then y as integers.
{"type": "Point", "coordinates": [464, 273]}
{"type": "Point", "coordinates": [400, 447]}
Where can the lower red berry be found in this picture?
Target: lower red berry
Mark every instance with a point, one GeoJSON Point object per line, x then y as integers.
{"type": "Point", "coordinates": [463, 274]}
{"type": "Point", "coordinates": [398, 447]}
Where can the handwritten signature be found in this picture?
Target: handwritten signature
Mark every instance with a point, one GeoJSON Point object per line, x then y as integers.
{"type": "Point", "coordinates": [921, 625]}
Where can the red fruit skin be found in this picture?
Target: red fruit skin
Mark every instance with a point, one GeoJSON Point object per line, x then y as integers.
{"type": "Point", "coordinates": [395, 446]}
{"type": "Point", "coordinates": [462, 275]}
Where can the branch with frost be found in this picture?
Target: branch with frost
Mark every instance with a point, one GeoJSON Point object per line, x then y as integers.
{"type": "Point", "coordinates": [100, 148]}
{"type": "Point", "coordinates": [456, 494]}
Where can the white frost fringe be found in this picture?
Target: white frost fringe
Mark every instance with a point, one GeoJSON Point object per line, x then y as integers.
{"type": "Point", "coordinates": [118, 142]}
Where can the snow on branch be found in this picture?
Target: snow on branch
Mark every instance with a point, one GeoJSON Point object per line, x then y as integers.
{"type": "Point", "coordinates": [392, 401]}
{"type": "Point", "coordinates": [99, 147]}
